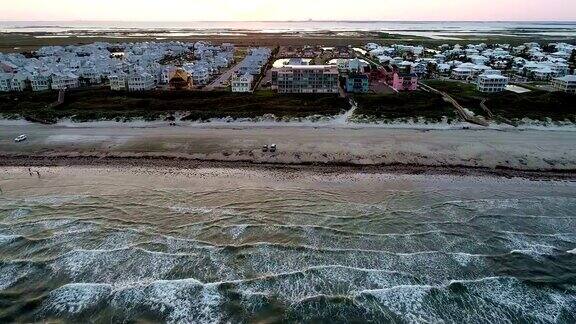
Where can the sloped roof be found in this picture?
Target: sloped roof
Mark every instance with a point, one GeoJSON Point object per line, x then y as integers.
{"type": "Point", "coordinates": [180, 74]}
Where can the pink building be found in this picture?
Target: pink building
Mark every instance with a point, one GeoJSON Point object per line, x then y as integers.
{"type": "Point", "coordinates": [405, 82]}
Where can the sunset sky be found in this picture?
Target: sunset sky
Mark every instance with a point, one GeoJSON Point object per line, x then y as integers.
{"type": "Point", "coordinates": [191, 10]}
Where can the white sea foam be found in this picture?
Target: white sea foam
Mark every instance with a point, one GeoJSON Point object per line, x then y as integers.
{"type": "Point", "coordinates": [543, 304]}
{"type": "Point", "coordinates": [536, 251]}
{"type": "Point", "coordinates": [12, 273]}
{"type": "Point", "coordinates": [55, 201]}
{"type": "Point", "coordinates": [325, 280]}
{"type": "Point", "coordinates": [19, 213]}
{"type": "Point", "coordinates": [178, 301]}
{"type": "Point", "coordinates": [102, 265]}
{"type": "Point", "coordinates": [236, 231]}
{"type": "Point", "coordinates": [407, 301]}
{"type": "Point", "coordinates": [201, 210]}
{"type": "Point", "coordinates": [76, 298]}
{"type": "Point", "coordinates": [6, 239]}
{"type": "Point", "coordinates": [493, 299]}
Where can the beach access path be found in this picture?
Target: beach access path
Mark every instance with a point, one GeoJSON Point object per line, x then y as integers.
{"type": "Point", "coordinates": [515, 149]}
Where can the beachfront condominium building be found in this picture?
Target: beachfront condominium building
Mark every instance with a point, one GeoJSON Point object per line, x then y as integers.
{"type": "Point", "coordinates": [242, 83]}
{"type": "Point", "coordinates": [306, 79]}
{"type": "Point", "coordinates": [565, 84]}
{"type": "Point", "coordinates": [492, 83]}
{"type": "Point", "coordinates": [357, 83]}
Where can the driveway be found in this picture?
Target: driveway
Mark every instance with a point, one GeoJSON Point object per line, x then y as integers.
{"type": "Point", "coordinates": [223, 78]}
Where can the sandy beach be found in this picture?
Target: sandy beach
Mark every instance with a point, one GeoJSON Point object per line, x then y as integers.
{"type": "Point", "coordinates": [504, 152]}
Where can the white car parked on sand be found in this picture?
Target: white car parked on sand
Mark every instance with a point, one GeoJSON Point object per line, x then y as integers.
{"type": "Point", "coordinates": [21, 138]}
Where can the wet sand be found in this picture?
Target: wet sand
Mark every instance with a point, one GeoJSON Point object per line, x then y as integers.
{"type": "Point", "coordinates": [501, 152]}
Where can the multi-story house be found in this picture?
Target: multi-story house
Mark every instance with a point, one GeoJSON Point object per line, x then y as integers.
{"type": "Point", "coordinates": [41, 81]}
{"type": "Point", "coordinates": [357, 83]}
{"type": "Point", "coordinates": [118, 81]}
{"type": "Point", "coordinates": [140, 81]}
{"type": "Point", "coordinates": [306, 79]}
{"type": "Point", "coordinates": [242, 83]}
{"type": "Point", "coordinates": [20, 81]}
{"type": "Point", "coordinates": [565, 84]}
{"type": "Point", "coordinates": [5, 82]}
{"type": "Point", "coordinates": [63, 81]}
{"type": "Point", "coordinates": [492, 83]}
{"type": "Point", "coordinates": [404, 82]}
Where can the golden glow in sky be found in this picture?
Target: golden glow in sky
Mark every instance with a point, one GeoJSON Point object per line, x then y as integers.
{"type": "Point", "coordinates": [226, 10]}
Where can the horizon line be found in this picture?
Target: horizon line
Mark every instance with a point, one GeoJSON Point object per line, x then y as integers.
{"type": "Point", "coordinates": [289, 20]}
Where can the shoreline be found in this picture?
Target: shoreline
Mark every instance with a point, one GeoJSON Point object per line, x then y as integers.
{"type": "Point", "coordinates": [318, 167]}
{"type": "Point", "coordinates": [336, 121]}
{"type": "Point", "coordinates": [26, 40]}
{"type": "Point", "coordinates": [531, 154]}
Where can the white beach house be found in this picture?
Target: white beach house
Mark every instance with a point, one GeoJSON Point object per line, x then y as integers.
{"type": "Point", "coordinates": [5, 82]}
{"type": "Point", "coordinates": [41, 81]}
{"type": "Point", "coordinates": [118, 81]}
{"type": "Point", "coordinates": [491, 83]}
{"type": "Point", "coordinates": [62, 81]}
{"type": "Point", "coordinates": [242, 83]}
{"type": "Point", "coordinates": [140, 81]}
{"type": "Point", "coordinates": [20, 81]}
{"type": "Point", "coordinates": [565, 84]}
{"type": "Point", "coordinates": [462, 73]}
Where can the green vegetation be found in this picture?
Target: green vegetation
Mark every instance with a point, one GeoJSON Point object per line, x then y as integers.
{"type": "Point", "coordinates": [98, 104]}
{"type": "Point", "coordinates": [536, 105]}
{"type": "Point", "coordinates": [103, 104]}
{"type": "Point", "coordinates": [465, 93]}
{"type": "Point", "coordinates": [403, 106]}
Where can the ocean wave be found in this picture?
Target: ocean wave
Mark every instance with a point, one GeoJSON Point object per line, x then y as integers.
{"type": "Point", "coordinates": [345, 252]}
{"type": "Point", "coordinates": [13, 272]}
{"type": "Point", "coordinates": [19, 213]}
{"type": "Point", "coordinates": [488, 299]}
{"type": "Point", "coordinates": [100, 264]}
{"type": "Point", "coordinates": [202, 210]}
{"type": "Point", "coordinates": [175, 301]}
{"type": "Point", "coordinates": [76, 298]}
{"type": "Point", "coordinates": [492, 299]}
{"type": "Point", "coordinates": [7, 239]}
{"type": "Point", "coordinates": [54, 201]}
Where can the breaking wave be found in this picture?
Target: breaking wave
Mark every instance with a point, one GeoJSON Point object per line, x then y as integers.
{"type": "Point", "coordinates": [261, 254]}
